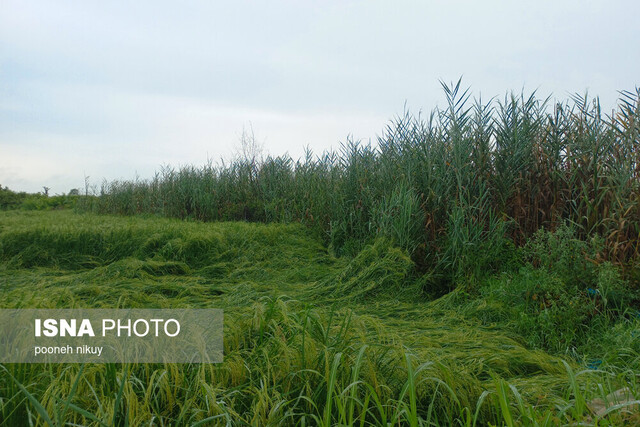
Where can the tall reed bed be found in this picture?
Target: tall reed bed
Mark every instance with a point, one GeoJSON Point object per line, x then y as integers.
{"type": "Point", "coordinates": [472, 178]}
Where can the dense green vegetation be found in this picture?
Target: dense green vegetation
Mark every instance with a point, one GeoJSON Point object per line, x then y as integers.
{"type": "Point", "coordinates": [28, 201]}
{"type": "Point", "coordinates": [476, 267]}
{"type": "Point", "coordinates": [469, 179]}
{"type": "Point", "coordinates": [313, 339]}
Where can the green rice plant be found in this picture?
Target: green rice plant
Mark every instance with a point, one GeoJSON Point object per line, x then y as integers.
{"type": "Point", "coordinates": [379, 269]}
{"type": "Point", "coordinates": [578, 406]}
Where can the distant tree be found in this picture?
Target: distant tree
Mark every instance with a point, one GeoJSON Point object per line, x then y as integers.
{"type": "Point", "coordinates": [46, 190]}
{"type": "Point", "coordinates": [10, 199]}
{"type": "Point", "coordinates": [74, 192]}
{"type": "Point", "coordinates": [249, 149]}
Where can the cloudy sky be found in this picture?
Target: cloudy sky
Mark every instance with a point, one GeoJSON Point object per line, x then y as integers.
{"type": "Point", "coordinates": [111, 90]}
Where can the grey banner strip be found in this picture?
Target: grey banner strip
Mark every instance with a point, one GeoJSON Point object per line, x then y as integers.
{"type": "Point", "coordinates": [111, 335]}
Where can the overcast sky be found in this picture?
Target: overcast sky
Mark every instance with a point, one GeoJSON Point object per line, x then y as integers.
{"type": "Point", "coordinates": [111, 89]}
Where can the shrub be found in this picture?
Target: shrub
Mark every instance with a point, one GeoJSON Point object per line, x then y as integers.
{"type": "Point", "coordinates": [548, 312]}
{"type": "Point", "coordinates": [10, 199]}
{"type": "Point", "coordinates": [561, 252]}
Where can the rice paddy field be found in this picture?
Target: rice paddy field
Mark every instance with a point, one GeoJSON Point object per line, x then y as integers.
{"type": "Point", "coordinates": [478, 267]}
